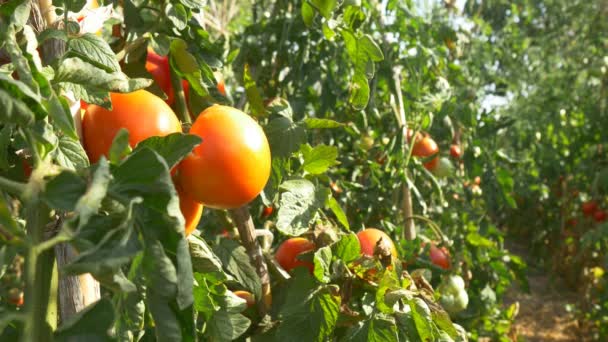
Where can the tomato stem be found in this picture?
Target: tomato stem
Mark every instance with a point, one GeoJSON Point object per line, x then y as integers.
{"type": "Point", "coordinates": [39, 269]}
{"type": "Point", "coordinates": [179, 95]}
{"type": "Point", "coordinates": [244, 224]}
{"type": "Point", "coordinates": [12, 187]}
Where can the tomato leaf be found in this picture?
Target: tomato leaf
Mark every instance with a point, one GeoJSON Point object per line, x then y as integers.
{"type": "Point", "coordinates": [173, 147]}
{"type": "Point", "coordinates": [70, 154]}
{"type": "Point", "coordinates": [253, 94]}
{"type": "Point", "coordinates": [347, 248]}
{"type": "Point", "coordinates": [93, 49]}
{"type": "Point", "coordinates": [376, 329]}
{"type": "Point", "coordinates": [120, 147]}
{"type": "Point", "coordinates": [311, 306]}
{"type": "Point", "coordinates": [75, 70]}
{"type": "Point", "coordinates": [325, 7]}
{"type": "Point", "coordinates": [335, 207]}
{"type": "Point", "coordinates": [94, 320]}
{"type": "Point", "coordinates": [284, 136]}
{"type": "Point", "coordinates": [308, 13]}
{"type": "Point", "coordinates": [298, 205]}
{"type": "Point", "coordinates": [314, 123]}
{"type": "Point", "coordinates": [322, 262]}
{"type": "Point", "coordinates": [63, 191]}
{"type": "Point", "coordinates": [237, 263]}
{"type": "Point", "coordinates": [319, 159]}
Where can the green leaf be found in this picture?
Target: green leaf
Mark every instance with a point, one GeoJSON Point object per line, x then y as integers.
{"type": "Point", "coordinates": [120, 147]}
{"type": "Point", "coordinates": [93, 323]}
{"type": "Point", "coordinates": [375, 329]}
{"type": "Point", "coordinates": [314, 123]}
{"type": "Point", "coordinates": [63, 191]}
{"type": "Point", "coordinates": [422, 318]}
{"type": "Point", "coordinates": [93, 49]}
{"type": "Point", "coordinates": [236, 262]}
{"type": "Point", "coordinates": [319, 159]}
{"type": "Point", "coordinates": [253, 94]}
{"type": "Point", "coordinates": [284, 136]}
{"type": "Point", "coordinates": [225, 326]}
{"type": "Point", "coordinates": [359, 92]}
{"type": "Point", "coordinates": [325, 7]}
{"type": "Point", "coordinates": [322, 262]}
{"type": "Point", "coordinates": [177, 15]}
{"type": "Point", "coordinates": [18, 11]}
{"type": "Point", "coordinates": [347, 248]}
{"type": "Point", "coordinates": [371, 48]}
{"type": "Point", "coordinates": [333, 204]}
{"type": "Point", "coordinates": [173, 147]}
{"type": "Point", "coordinates": [77, 71]}
{"type": "Point", "coordinates": [298, 205]}
{"type": "Point", "coordinates": [308, 13]}
{"type": "Point", "coordinates": [203, 258]}
{"type": "Point", "coordinates": [307, 305]}
{"type": "Point", "coordinates": [70, 154]}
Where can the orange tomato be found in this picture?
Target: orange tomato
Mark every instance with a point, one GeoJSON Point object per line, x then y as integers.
{"type": "Point", "coordinates": [425, 146]}
{"type": "Point", "coordinates": [247, 296]}
{"type": "Point", "coordinates": [142, 113]}
{"type": "Point", "coordinates": [455, 151]}
{"type": "Point", "coordinates": [288, 251]}
{"type": "Point", "coordinates": [158, 67]}
{"type": "Point", "coordinates": [232, 164]}
{"type": "Point", "coordinates": [191, 209]}
{"type": "Point", "coordinates": [369, 237]}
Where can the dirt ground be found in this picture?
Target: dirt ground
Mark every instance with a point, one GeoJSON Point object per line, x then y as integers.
{"type": "Point", "coordinates": [542, 312]}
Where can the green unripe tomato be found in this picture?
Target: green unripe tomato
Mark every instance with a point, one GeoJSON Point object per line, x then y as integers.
{"type": "Point", "coordinates": [444, 168]}
{"type": "Point", "coordinates": [454, 297]}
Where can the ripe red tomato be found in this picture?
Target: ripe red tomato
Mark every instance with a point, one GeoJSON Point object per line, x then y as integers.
{"type": "Point", "coordinates": [15, 297]}
{"type": "Point", "coordinates": [232, 165]}
{"type": "Point", "coordinates": [600, 216]}
{"type": "Point", "coordinates": [455, 151]}
{"type": "Point", "coordinates": [289, 250]}
{"type": "Point", "coordinates": [158, 66]}
{"type": "Point", "coordinates": [27, 168]}
{"type": "Point", "coordinates": [191, 209]}
{"type": "Point", "coordinates": [589, 208]}
{"type": "Point", "coordinates": [247, 296]}
{"type": "Point", "coordinates": [572, 222]}
{"type": "Point", "coordinates": [267, 211]}
{"type": "Point", "coordinates": [142, 113]}
{"type": "Point", "coordinates": [369, 237]}
{"type": "Point", "coordinates": [440, 256]}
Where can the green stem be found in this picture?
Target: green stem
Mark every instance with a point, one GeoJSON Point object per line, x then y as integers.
{"type": "Point", "coordinates": [180, 97]}
{"type": "Point", "coordinates": [12, 187]}
{"type": "Point", "coordinates": [39, 268]}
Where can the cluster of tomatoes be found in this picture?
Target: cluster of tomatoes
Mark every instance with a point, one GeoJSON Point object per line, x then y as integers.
{"type": "Point", "coordinates": [212, 174]}
{"type": "Point", "coordinates": [425, 147]}
{"type": "Point", "coordinates": [592, 209]}
{"type": "Point", "coordinates": [287, 255]}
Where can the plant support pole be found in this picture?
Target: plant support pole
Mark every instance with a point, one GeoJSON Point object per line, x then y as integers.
{"type": "Point", "coordinates": [74, 292]}
{"type": "Point", "coordinates": [244, 224]}
{"type": "Point", "coordinates": [409, 230]}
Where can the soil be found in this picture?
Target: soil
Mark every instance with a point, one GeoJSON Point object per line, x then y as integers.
{"type": "Point", "coordinates": [542, 312]}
